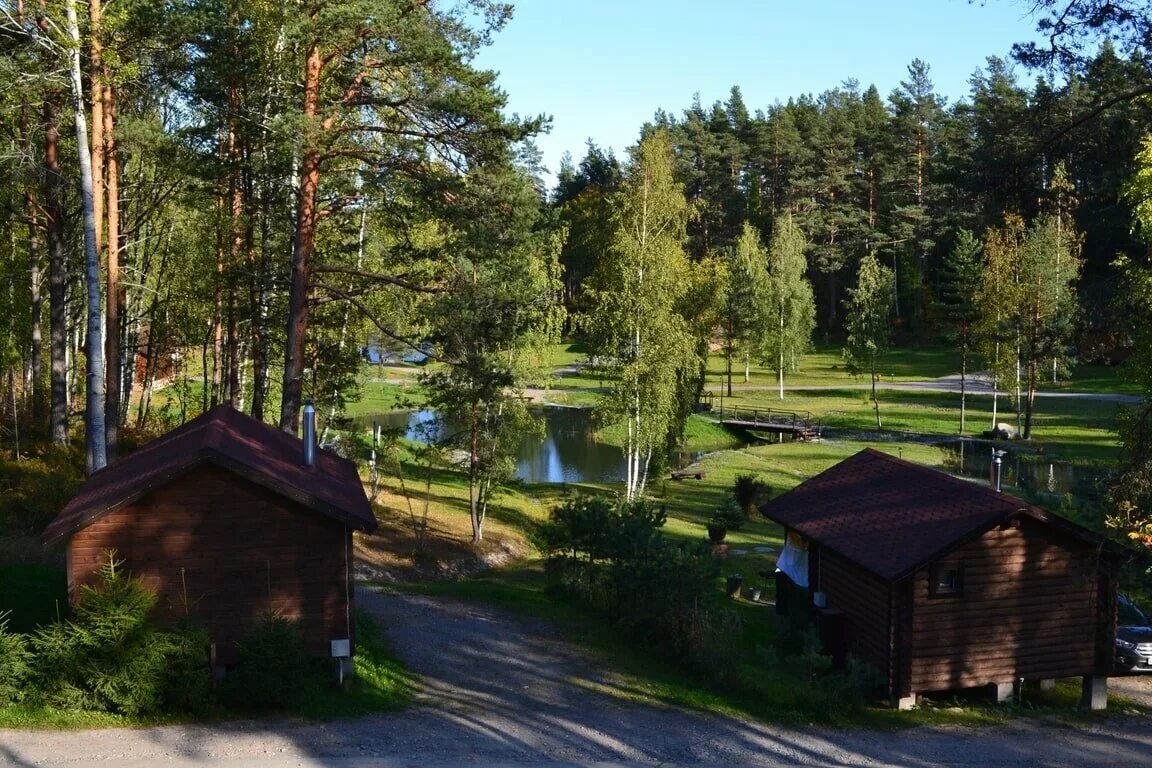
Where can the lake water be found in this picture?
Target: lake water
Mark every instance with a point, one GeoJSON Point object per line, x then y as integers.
{"type": "Point", "coordinates": [568, 452]}
{"type": "Point", "coordinates": [973, 458]}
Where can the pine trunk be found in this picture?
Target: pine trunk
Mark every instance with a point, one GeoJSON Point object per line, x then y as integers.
{"type": "Point", "coordinates": [57, 278]}
{"type": "Point", "coordinates": [302, 248]}
{"type": "Point", "coordinates": [36, 363]}
{"type": "Point", "coordinates": [116, 297]}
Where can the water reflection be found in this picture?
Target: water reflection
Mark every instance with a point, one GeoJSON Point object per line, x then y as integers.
{"type": "Point", "coordinates": [568, 452]}
{"type": "Point", "coordinates": [973, 458]}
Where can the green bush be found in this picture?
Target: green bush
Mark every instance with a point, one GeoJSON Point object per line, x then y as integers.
{"type": "Point", "coordinates": [274, 669]}
{"type": "Point", "coordinates": [615, 558]}
{"type": "Point", "coordinates": [750, 492]}
{"type": "Point", "coordinates": [14, 664]}
{"type": "Point", "coordinates": [729, 514]}
{"type": "Point", "coordinates": [110, 657]}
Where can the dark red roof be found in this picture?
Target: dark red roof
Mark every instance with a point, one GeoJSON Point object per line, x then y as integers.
{"type": "Point", "coordinates": [892, 517]}
{"type": "Point", "coordinates": [230, 439]}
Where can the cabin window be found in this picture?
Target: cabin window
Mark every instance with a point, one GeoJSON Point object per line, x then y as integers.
{"type": "Point", "coordinates": [946, 580]}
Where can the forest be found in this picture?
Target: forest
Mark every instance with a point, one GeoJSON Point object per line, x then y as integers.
{"type": "Point", "coordinates": [228, 201]}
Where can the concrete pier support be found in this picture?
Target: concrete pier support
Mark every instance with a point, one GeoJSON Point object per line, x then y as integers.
{"type": "Point", "coordinates": [1094, 692]}
{"type": "Point", "coordinates": [1003, 692]}
{"type": "Point", "coordinates": [904, 702]}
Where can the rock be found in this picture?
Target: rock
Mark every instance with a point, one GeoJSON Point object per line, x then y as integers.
{"type": "Point", "coordinates": [1003, 431]}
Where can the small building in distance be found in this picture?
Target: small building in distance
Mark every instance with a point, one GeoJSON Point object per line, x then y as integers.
{"type": "Point", "coordinates": [224, 518]}
{"type": "Point", "coordinates": [941, 583]}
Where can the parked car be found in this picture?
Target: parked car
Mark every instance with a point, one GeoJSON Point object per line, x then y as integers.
{"type": "Point", "coordinates": [1133, 638]}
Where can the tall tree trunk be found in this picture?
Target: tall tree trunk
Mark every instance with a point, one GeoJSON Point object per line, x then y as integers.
{"type": "Point", "coordinates": [728, 361]}
{"type": "Point", "coordinates": [963, 388]}
{"type": "Point", "coordinates": [57, 275]}
{"type": "Point", "coordinates": [302, 247]}
{"type": "Point", "coordinates": [116, 297]}
{"type": "Point", "coordinates": [260, 310]}
{"type": "Point", "coordinates": [1030, 400]}
{"type": "Point", "coordinates": [97, 76]}
{"type": "Point", "coordinates": [780, 360]}
{"type": "Point", "coordinates": [875, 401]}
{"type": "Point", "coordinates": [236, 243]}
{"type": "Point", "coordinates": [35, 377]}
{"type": "Point", "coordinates": [94, 407]}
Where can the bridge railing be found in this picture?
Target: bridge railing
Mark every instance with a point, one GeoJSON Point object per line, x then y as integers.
{"type": "Point", "coordinates": [765, 416]}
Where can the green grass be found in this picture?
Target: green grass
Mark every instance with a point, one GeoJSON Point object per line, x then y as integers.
{"type": "Point", "coordinates": [1068, 429]}
{"type": "Point", "coordinates": [824, 366]}
{"type": "Point", "coordinates": [377, 396]}
{"type": "Point", "coordinates": [32, 595]}
{"type": "Point", "coordinates": [381, 683]}
{"type": "Point", "coordinates": [1093, 377]}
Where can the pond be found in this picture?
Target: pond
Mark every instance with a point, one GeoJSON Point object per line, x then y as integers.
{"type": "Point", "coordinates": [568, 453]}
{"type": "Point", "coordinates": [1025, 472]}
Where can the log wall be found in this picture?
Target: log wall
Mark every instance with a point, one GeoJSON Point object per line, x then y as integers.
{"type": "Point", "coordinates": [227, 552]}
{"type": "Point", "coordinates": [1028, 609]}
{"type": "Point", "coordinates": [864, 598]}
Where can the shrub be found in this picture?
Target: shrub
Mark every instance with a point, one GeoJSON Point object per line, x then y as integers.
{"type": "Point", "coordinates": [729, 514]}
{"type": "Point", "coordinates": [274, 669]}
{"type": "Point", "coordinates": [615, 558]}
{"type": "Point", "coordinates": [110, 657]}
{"type": "Point", "coordinates": [750, 492]}
{"type": "Point", "coordinates": [14, 664]}
{"type": "Point", "coordinates": [33, 490]}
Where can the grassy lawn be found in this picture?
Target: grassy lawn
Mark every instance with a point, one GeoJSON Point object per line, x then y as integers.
{"type": "Point", "coordinates": [824, 366]}
{"type": "Point", "coordinates": [1069, 429]}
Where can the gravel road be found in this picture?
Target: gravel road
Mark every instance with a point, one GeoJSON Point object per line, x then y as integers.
{"type": "Point", "coordinates": [502, 691]}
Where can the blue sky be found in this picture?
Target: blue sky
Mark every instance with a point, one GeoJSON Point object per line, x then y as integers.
{"type": "Point", "coordinates": [601, 68]}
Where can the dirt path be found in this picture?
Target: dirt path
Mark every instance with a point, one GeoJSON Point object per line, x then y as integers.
{"type": "Point", "coordinates": [497, 690]}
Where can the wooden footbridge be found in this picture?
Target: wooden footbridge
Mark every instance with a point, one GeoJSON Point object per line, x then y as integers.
{"type": "Point", "coordinates": [798, 424]}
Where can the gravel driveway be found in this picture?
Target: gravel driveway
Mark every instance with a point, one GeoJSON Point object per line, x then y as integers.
{"type": "Point", "coordinates": [498, 690]}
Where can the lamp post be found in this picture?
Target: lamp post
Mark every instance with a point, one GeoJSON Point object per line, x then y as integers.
{"type": "Point", "coordinates": [997, 455]}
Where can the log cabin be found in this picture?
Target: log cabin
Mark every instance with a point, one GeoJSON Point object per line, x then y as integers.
{"type": "Point", "coordinates": [229, 521]}
{"type": "Point", "coordinates": [941, 583]}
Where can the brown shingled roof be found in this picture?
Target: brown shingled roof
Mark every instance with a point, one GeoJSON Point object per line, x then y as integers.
{"type": "Point", "coordinates": [227, 438]}
{"type": "Point", "coordinates": [892, 517]}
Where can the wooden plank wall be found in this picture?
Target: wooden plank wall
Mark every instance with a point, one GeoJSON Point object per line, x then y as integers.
{"type": "Point", "coordinates": [1028, 609]}
{"type": "Point", "coordinates": [228, 552]}
{"type": "Point", "coordinates": [864, 599]}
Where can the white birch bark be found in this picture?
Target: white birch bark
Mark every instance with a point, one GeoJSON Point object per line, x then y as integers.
{"type": "Point", "coordinates": [94, 405]}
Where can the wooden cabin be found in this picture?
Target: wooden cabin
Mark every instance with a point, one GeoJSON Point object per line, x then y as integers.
{"type": "Point", "coordinates": [941, 583]}
{"type": "Point", "coordinates": [224, 518]}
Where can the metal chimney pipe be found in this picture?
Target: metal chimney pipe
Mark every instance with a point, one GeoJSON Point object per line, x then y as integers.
{"type": "Point", "coordinates": [309, 433]}
{"type": "Point", "coordinates": [996, 465]}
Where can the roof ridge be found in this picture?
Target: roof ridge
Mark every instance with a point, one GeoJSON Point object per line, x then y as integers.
{"type": "Point", "coordinates": [968, 483]}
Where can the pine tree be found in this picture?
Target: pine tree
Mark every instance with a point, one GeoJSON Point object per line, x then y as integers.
{"type": "Point", "coordinates": [959, 285]}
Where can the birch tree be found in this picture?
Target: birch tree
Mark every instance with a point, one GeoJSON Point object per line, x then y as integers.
{"type": "Point", "coordinates": [632, 319]}
{"type": "Point", "coordinates": [745, 304]}
{"type": "Point", "coordinates": [868, 323]}
{"type": "Point", "coordinates": [791, 306]}
{"type": "Point", "coordinates": [94, 405]}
